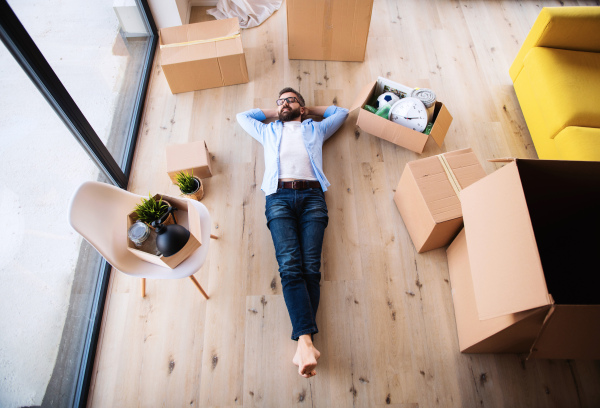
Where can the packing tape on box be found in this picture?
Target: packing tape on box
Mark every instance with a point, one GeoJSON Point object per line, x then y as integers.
{"type": "Point", "coordinates": [181, 44]}
{"type": "Point", "coordinates": [451, 176]}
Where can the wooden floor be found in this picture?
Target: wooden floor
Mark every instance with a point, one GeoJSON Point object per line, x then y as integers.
{"type": "Point", "coordinates": [387, 330]}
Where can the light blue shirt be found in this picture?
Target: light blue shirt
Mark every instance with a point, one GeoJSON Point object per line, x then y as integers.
{"type": "Point", "coordinates": [314, 135]}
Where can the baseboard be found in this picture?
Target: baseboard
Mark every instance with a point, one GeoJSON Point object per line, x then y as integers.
{"type": "Point", "coordinates": [204, 3]}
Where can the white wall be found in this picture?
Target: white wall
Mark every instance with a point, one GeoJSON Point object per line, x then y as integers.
{"type": "Point", "coordinates": [183, 6]}
{"type": "Point", "coordinates": [166, 12]}
{"type": "Point", "coordinates": [169, 13]}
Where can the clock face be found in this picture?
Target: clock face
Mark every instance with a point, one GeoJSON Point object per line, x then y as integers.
{"type": "Point", "coordinates": [409, 112]}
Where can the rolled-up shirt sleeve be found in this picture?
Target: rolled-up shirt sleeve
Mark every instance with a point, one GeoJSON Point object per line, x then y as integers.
{"type": "Point", "coordinates": [334, 117]}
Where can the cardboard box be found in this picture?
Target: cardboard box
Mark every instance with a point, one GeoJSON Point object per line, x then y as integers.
{"type": "Point", "coordinates": [203, 55]}
{"type": "Point", "coordinates": [189, 157]}
{"type": "Point", "coordinates": [331, 30]}
{"type": "Point", "coordinates": [428, 203]}
{"type": "Point", "coordinates": [524, 271]}
{"type": "Point", "coordinates": [393, 132]}
{"type": "Point", "coordinates": [188, 217]}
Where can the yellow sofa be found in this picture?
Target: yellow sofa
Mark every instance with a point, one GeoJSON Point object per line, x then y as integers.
{"type": "Point", "coordinates": [556, 76]}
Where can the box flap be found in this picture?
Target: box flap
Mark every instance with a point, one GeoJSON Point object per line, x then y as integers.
{"type": "Point", "coordinates": [569, 332]}
{"type": "Point", "coordinates": [509, 333]}
{"type": "Point", "coordinates": [506, 267]}
{"type": "Point", "coordinates": [442, 122]}
{"type": "Point", "coordinates": [207, 30]}
{"type": "Point", "coordinates": [363, 96]}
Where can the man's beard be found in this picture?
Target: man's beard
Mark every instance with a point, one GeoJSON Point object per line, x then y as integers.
{"type": "Point", "coordinates": [289, 115]}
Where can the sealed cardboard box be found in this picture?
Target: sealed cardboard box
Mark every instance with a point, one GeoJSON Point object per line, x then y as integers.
{"type": "Point", "coordinates": [428, 196]}
{"type": "Point", "coordinates": [189, 157]}
{"type": "Point", "coordinates": [188, 217]}
{"type": "Point", "coordinates": [393, 132]}
{"type": "Point", "coordinates": [331, 30]}
{"type": "Point", "coordinates": [524, 271]}
{"type": "Point", "coordinates": [203, 55]}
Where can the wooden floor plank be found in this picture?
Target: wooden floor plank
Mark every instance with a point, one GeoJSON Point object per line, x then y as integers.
{"type": "Point", "coordinates": [386, 318]}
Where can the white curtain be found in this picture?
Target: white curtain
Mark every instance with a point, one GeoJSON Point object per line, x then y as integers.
{"type": "Point", "coordinates": [250, 13]}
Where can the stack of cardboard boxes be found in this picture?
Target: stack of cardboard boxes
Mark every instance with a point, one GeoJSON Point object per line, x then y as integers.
{"type": "Point", "coordinates": [524, 271]}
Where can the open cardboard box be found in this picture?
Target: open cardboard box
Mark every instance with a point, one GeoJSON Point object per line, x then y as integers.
{"type": "Point", "coordinates": [333, 30]}
{"type": "Point", "coordinates": [189, 157]}
{"type": "Point", "coordinates": [524, 271]}
{"type": "Point", "coordinates": [186, 216]}
{"type": "Point", "coordinates": [393, 132]}
{"type": "Point", "coordinates": [203, 55]}
{"type": "Point", "coordinates": [428, 204]}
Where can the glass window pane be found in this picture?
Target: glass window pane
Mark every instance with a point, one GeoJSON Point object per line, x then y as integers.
{"type": "Point", "coordinates": [48, 274]}
{"type": "Point", "coordinates": [98, 50]}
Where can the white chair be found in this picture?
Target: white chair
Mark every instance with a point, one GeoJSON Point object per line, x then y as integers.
{"type": "Point", "coordinates": [98, 212]}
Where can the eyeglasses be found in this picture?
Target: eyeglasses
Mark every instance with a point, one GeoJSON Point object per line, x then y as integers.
{"type": "Point", "coordinates": [289, 100]}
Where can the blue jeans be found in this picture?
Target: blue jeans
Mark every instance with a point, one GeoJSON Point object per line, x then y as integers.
{"type": "Point", "coordinates": [297, 220]}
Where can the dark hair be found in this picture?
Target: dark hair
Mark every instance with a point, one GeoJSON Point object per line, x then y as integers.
{"type": "Point", "coordinates": [288, 89]}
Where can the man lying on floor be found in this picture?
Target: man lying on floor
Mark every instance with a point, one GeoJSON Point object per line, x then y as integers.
{"type": "Point", "coordinates": [296, 212]}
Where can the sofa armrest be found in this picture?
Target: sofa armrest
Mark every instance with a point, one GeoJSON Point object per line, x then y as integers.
{"type": "Point", "coordinates": [567, 28]}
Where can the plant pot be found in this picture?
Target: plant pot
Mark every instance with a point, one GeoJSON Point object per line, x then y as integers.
{"type": "Point", "coordinates": [171, 219]}
{"type": "Point", "coordinates": [198, 193]}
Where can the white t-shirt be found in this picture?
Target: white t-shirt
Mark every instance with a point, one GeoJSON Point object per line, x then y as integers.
{"type": "Point", "coordinates": [294, 162]}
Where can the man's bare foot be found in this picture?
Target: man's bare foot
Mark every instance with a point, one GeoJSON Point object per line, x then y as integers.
{"type": "Point", "coordinates": [306, 357]}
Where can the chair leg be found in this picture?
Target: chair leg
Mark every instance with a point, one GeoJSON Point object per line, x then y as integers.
{"type": "Point", "coordinates": [198, 286]}
{"type": "Point", "coordinates": [143, 287]}
{"type": "Point", "coordinates": [214, 236]}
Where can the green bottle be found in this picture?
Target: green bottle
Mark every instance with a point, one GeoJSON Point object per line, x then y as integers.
{"type": "Point", "coordinates": [370, 109]}
{"type": "Point", "coordinates": [384, 112]}
{"type": "Point", "coordinates": [428, 128]}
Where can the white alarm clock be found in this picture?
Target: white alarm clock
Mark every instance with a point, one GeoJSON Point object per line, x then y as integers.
{"type": "Point", "coordinates": [409, 112]}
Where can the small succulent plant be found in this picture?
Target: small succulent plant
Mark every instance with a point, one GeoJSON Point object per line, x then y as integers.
{"type": "Point", "coordinates": [151, 210]}
{"type": "Point", "coordinates": [186, 182]}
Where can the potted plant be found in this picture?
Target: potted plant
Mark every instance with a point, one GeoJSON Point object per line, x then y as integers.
{"type": "Point", "coordinates": [151, 209]}
{"type": "Point", "coordinates": [189, 185]}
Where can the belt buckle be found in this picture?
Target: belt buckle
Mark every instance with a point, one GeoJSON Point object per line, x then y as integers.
{"type": "Point", "coordinates": [295, 184]}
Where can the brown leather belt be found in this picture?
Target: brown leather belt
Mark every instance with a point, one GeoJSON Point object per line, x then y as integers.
{"type": "Point", "coordinates": [299, 184]}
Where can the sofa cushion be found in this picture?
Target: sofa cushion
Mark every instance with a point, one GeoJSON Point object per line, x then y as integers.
{"type": "Point", "coordinates": [567, 28]}
{"type": "Point", "coordinates": [578, 143]}
{"type": "Point", "coordinates": [566, 87]}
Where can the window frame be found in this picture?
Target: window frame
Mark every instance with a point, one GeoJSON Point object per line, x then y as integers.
{"type": "Point", "coordinates": [22, 47]}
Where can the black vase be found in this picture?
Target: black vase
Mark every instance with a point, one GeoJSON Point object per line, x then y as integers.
{"type": "Point", "coordinates": [171, 238]}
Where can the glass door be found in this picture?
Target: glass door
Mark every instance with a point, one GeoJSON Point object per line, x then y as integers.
{"type": "Point", "coordinates": [90, 63]}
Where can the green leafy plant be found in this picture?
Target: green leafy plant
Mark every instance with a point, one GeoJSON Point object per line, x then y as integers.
{"type": "Point", "coordinates": [151, 210]}
{"type": "Point", "coordinates": [186, 182]}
